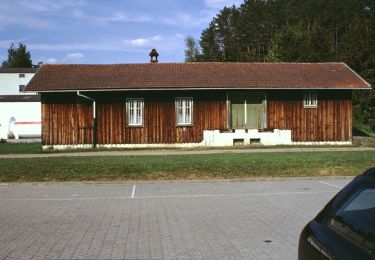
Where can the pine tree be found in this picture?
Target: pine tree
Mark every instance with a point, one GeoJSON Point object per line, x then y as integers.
{"type": "Point", "coordinates": [18, 57]}
{"type": "Point", "coordinates": [298, 31]}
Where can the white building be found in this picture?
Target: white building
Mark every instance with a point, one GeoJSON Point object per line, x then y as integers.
{"type": "Point", "coordinates": [13, 80]}
{"type": "Point", "coordinates": [20, 113]}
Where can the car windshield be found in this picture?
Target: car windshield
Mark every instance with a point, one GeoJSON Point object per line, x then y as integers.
{"type": "Point", "coordinates": [356, 219]}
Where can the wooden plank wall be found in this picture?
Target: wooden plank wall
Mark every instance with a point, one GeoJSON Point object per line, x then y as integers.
{"type": "Point", "coordinates": [67, 119]}
{"type": "Point", "coordinates": [330, 121]}
{"type": "Point", "coordinates": [72, 123]}
{"type": "Point", "coordinates": [66, 123]}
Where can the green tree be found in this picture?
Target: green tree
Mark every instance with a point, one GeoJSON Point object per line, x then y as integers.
{"type": "Point", "coordinates": [287, 46]}
{"type": "Point", "coordinates": [209, 43]}
{"type": "Point", "coordinates": [192, 52]}
{"type": "Point", "coordinates": [17, 57]}
{"type": "Point", "coordinates": [298, 31]}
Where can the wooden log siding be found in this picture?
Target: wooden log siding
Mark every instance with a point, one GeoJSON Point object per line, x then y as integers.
{"type": "Point", "coordinates": [67, 124]}
{"type": "Point", "coordinates": [330, 121]}
{"type": "Point", "coordinates": [62, 122]}
{"type": "Point", "coordinates": [67, 119]}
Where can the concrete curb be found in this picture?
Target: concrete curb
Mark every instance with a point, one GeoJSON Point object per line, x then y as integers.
{"type": "Point", "coordinates": [193, 181]}
{"type": "Point", "coordinates": [187, 152]}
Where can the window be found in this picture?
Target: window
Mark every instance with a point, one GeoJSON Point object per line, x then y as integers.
{"type": "Point", "coordinates": [21, 87]}
{"type": "Point", "coordinates": [184, 111]}
{"type": "Point", "coordinates": [310, 99]}
{"type": "Point", "coordinates": [135, 112]}
{"type": "Point", "coordinates": [21, 75]}
{"type": "Point", "coordinates": [354, 220]}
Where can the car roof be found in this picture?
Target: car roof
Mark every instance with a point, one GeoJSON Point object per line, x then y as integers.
{"type": "Point", "coordinates": [369, 173]}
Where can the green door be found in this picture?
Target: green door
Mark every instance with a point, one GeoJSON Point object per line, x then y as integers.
{"type": "Point", "coordinates": [237, 111]}
{"type": "Point", "coordinates": [247, 110]}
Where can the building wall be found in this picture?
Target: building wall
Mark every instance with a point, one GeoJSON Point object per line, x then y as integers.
{"type": "Point", "coordinates": [18, 118]}
{"type": "Point", "coordinates": [330, 121]}
{"type": "Point", "coordinates": [72, 123]}
{"type": "Point", "coordinates": [10, 82]}
{"type": "Point", "coordinates": [67, 119]}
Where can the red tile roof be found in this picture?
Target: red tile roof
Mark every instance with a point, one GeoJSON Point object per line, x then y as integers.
{"type": "Point", "coordinates": [196, 76]}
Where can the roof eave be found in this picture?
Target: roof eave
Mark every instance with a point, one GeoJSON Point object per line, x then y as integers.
{"type": "Point", "coordinates": [192, 88]}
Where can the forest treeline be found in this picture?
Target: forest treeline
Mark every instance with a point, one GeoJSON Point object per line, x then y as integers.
{"type": "Point", "coordinates": [296, 31]}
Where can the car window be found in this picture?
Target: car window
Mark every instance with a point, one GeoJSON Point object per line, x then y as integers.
{"type": "Point", "coordinates": [355, 220]}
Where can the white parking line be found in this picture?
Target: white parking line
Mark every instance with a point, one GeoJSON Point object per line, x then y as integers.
{"type": "Point", "coordinates": [333, 185]}
{"type": "Point", "coordinates": [176, 196]}
{"type": "Point", "coordinates": [133, 192]}
{"type": "Point", "coordinates": [235, 195]}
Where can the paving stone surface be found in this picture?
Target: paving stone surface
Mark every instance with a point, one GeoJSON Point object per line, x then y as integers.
{"type": "Point", "coordinates": [208, 220]}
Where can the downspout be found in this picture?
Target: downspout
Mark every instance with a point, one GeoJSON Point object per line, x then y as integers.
{"type": "Point", "coordinates": [94, 117]}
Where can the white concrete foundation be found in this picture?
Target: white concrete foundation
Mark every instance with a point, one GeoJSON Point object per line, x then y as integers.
{"type": "Point", "coordinates": [129, 146]}
{"type": "Point", "coordinates": [215, 139]}
{"type": "Point", "coordinates": [276, 137]}
{"type": "Point", "coordinates": [210, 139]}
{"type": "Point", "coordinates": [323, 143]}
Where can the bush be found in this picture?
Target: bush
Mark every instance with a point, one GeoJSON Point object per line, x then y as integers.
{"type": "Point", "coordinates": [371, 123]}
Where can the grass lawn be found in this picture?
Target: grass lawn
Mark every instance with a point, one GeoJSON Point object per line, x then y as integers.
{"type": "Point", "coordinates": [36, 148]}
{"type": "Point", "coordinates": [185, 166]}
{"type": "Point", "coordinates": [6, 148]}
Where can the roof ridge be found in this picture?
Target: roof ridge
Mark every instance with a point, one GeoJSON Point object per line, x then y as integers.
{"type": "Point", "coordinates": [194, 63]}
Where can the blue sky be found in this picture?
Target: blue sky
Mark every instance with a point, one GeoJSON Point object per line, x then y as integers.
{"type": "Point", "coordinates": [104, 31]}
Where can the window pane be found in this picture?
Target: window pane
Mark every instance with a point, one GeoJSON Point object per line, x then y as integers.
{"type": "Point", "coordinates": [184, 110]}
{"type": "Point", "coordinates": [135, 112]}
{"type": "Point", "coordinates": [355, 220]}
{"type": "Point", "coordinates": [310, 99]}
{"type": "Point", "coordinates": [180, 115]}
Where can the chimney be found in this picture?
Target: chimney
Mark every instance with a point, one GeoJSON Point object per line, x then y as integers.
{"type": "Point", "coordinates": [154, 56]}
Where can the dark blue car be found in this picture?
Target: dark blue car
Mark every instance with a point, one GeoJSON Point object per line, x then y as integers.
{"type": "Point", "coordinates": [345, 228]}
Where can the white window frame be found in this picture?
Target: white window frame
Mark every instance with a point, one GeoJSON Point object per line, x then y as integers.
{"type": "Point", "coordinates": [135, 119]}
{"type": "Point", "coordinates": [186, 120]}
{"type": "Point", "coordinates": [310, 99]}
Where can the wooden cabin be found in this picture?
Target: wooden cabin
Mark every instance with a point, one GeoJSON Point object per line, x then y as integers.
{"type": "Point", "coordinates": [196, 104]}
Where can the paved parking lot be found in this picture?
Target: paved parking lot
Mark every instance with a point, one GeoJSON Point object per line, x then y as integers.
{"type": "Point", "coordinates": [186, 220]}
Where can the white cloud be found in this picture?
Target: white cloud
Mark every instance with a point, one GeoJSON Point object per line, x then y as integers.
{"type": "Point", "coordinates": [29, 22]}
{"type": "Point", "coordinates": [51, 60]}
{"type": "Point", "coordinates": [48, 5]}
{"type": "Point", "coordinates": [75, 50]}
{"type": "Point", "coordinates": [74, 56]}
{"type": "Point", "coordinates": [142, 42]}
{"type": "Point", "coordinates": [179, 19]}
{"type": "Point", "coordinates": [165, 44]}
{"type": "Point", "coordinates": [5, 7]}
{"type": "Point", "coordinates": [137, 42]}
{"type": "Point", "coordinates": [116, 17]}
{"type": "Point", "coordinates": [187, 20]}
{"type": "Point", "coordinates": [47, 60]}
{"type": "Point", "coordinates": [121, 17]}
{"type": "Point", "coordinates": [87, 46]}
{"type": "Point", "coordinates": [221, 3]}
{"type": "Point", "coordinates": [179, 35]}
{"type": "Point", "coordinates": [7, 43]}
{"type": "Point", "coordinates": [72, 47]}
